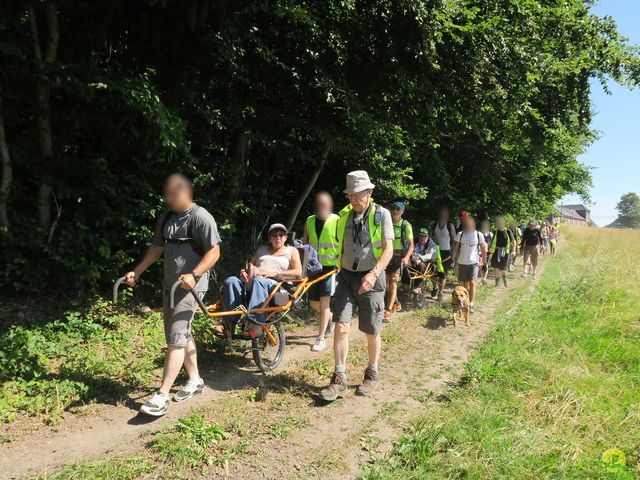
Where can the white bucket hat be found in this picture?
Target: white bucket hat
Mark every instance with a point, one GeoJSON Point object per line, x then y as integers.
{"type": "Point", "coordinates": [358, 181]}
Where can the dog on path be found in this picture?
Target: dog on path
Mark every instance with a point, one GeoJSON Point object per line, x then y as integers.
{"type": "Point", "coordinates": [460, 305]}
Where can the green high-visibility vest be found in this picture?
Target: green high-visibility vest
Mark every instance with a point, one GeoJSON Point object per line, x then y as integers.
{"type": "Point", "coordinates": [494, 239]}
{"type": "Point", "coordinates": [327, 244]}
{"type": "Point", "coordinates": [439, 266]}
{"type": "Point", "coordinates": [375, 228]}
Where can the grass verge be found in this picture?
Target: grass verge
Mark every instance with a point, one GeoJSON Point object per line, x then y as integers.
{"type": "Point", "coordinates": [554, 392]}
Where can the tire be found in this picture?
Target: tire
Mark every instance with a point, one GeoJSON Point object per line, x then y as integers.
{"type": "Point", "coordinates": [267, 356]}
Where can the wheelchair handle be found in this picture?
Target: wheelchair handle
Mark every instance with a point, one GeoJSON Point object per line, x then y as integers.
{"type": "Point", "coordinates": [172, 297]}
{"type": "Point", "coordinates": [116, 286]}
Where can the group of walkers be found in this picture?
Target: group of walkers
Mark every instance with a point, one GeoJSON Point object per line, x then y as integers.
{"type": "Point", "coordinates": [371, 246]}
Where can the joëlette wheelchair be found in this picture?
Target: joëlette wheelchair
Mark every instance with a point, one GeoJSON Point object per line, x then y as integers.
{"type": "Point", "coordinates": [240, 331]}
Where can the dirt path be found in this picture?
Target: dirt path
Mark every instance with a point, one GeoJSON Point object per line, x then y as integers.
{"type": "Point", "coordinates": [422, 354]}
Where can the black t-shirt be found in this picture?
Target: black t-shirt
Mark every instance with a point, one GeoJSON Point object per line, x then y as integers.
{"type": "Point", "coordinates": [531, 237]}
{"type": "Point", "coordinates": [319, 227]}
{"type": "Point", "coordinates": [501, 239]}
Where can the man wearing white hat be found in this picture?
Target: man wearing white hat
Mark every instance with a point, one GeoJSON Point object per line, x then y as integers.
{"type": "Point", "coordinates": [365, 243]}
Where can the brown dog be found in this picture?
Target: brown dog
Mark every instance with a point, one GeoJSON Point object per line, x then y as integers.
{"type": "Point", "coordinates": [460, 305]}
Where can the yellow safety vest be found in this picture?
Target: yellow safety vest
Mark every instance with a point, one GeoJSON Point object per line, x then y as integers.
{"type": "Point", "coordinates": [327, 244]}
{"type": "Point", "coordinates": [375, 227]}
{"type": "Point", "coordinates": [494, 240]}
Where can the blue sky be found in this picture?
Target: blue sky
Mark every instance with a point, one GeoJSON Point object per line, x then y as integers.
{"type": "Point", "coordinates": [616, 155]}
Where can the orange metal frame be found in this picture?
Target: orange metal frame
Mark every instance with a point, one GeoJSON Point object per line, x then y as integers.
{"type": "Point", "coordinates": [302, 286]}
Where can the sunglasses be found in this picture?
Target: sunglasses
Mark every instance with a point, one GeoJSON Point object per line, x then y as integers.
{"type": "Point", "coordinates": [277, 234]}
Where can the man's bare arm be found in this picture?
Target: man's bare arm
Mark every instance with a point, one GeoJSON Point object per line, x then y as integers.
{"type": "Point", "coordinates": [152, 254]}
{"type": "Point", "coordinates": [207, 261]}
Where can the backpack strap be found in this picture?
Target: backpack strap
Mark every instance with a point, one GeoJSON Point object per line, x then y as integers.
{"type": "Point", "coordinates": [195, 245]}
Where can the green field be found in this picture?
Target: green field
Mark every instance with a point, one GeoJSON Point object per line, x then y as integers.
{"type": "Point", "coordinates": [554, 389]}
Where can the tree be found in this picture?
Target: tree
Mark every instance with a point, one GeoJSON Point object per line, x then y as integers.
{"type": "Point", "coordinates": [629, 210]}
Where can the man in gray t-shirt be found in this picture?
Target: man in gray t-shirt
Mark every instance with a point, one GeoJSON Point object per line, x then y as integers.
{"type": "Point", "coordinates": [188, 237]}
{"type": "Point", "coordinates": [365, 235]}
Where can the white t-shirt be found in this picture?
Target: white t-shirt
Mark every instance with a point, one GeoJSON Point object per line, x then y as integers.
{"type": "Point", "coordinates": [470, 247]}
{"type": "Point", "coordinates": [442, 236]}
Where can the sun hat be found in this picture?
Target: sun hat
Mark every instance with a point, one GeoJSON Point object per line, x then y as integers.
{"type": "Point", "coordinates": [357, 181]}
{"type": "Point", "coordinates": [277, 226]}
{"type": "Point", "coordinates": [423, 232]}
{"type": "Point", "coordinates": [398, 204]}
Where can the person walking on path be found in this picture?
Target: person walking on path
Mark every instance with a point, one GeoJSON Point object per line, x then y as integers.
{"type": "Point", "coordinates": [473, 254]}
{"type": "Point", "coordinates": [321, 232]}
{"type": "Point", "coordinates": [188, 237]}
{"type": "Point", "coordinates": [544, 233]}
{"type": "Point", "coordinates": [516, 236]}
{"type": "Point", "coordinates": [500, 247]}
{"type": "Point", "coordinates": [402, 250]}
{"type": "Point", "coordinates": [443, 233]}
{"type": "Point", "coordinates": [365, 243]}
{"type": "Point", "coordinates": [553, 240]}
{"type": "Point", "coordinates": [530, 245]}
{"type": "Point", "coordinates": [485, 229]}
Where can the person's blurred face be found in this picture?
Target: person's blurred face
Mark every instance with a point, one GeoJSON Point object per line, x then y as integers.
{"type": "Point", "coordinates": [500, 223]}
{"type": "Point", "coordinates": [360, 200]}
{"type": "Point", "coordinates": [443, 215]}
{"type": "Point", "coordinates": [422, 239]}
{"type": "Point", "coordinates": [323, 206]}
{"type": "Point", "coordinates": [396, 213]}
{"type": "Point", "coordinates": [468, 224]}
{"type": "Point", "coordinates": [532, 226]}
{"type": "Point", "coordinates": [178, 195]}
{"type": "Point", "coordinates": [484, 226]}
{"type": "Point", "coordinates": [278, 238]}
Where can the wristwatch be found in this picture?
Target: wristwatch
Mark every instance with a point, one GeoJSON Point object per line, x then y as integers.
{"type": "Point", "coordinates": [375, 272]}
{"type": "Point", "coordinates": [196, 276]}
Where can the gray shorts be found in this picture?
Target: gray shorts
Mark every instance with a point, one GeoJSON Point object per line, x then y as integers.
{"type": "Point", "coordinates": [468, 273]}
{"type": "Point", "coordinates": [177, 322]}
{"type": "Point", "coordinates": [370, 305]}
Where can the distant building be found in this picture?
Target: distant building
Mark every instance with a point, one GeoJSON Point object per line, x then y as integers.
{"type": "Point", "coordinates": [573, 214]}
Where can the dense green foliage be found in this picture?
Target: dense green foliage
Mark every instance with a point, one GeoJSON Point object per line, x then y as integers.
{"type": "Point", "coordinates": [629, 210]}
{"type": "Point", "coordinates": [554, 390]}
{"type": "Point", "coordinates": [482, 105]}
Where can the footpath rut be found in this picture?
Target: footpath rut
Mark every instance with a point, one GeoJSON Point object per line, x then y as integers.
{"type": "Point", "coordinates": [422, 354]}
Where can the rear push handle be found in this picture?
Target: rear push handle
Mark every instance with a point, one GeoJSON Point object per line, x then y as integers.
{"type": "Point", "coordinates": [172, 297]}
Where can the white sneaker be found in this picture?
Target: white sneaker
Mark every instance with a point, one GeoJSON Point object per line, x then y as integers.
{"type": "Point", "coordinates": [319, 345]}
{"type": "Point", "coordinates": [189, 389]}
{"type": "Point", "coordinates": [157, 406]}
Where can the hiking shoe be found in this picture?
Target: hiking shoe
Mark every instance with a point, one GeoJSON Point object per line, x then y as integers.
{"type": "Point", "coordinates": [483, 281]}
{"type": "Point", "coordinates": [369, 384]}
{"type": "Point", "coordinates": [417, 290]}
{"type": "Point", "coordinates": [330, 328]}
{"type": "Point", "coordinates": [387, 316]}
{"type": "Point", "coordinates": [189, 389]}
{"type": "Point", "coordinates": [439, 299]}
{"type": "Point", "coordinates": [319, 345]}
{"type": "Point", "coordinates": [504, 281]}
{"type": "Point", "coordinates": [335, 389]}
{"type": "Point", "coordinates": [434, 292]}
{"type": "Point", "coordinates": [157, 406]}
{"type": "Point", "coordinates": [471, 308]}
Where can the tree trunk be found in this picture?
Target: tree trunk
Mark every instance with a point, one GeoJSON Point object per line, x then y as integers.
{"type": "Point", "coordinates": [310, 184]}
{"type": "Point", "coordinates": [7, 171]}
{"type": "Point", "coordinates": [43, 103]}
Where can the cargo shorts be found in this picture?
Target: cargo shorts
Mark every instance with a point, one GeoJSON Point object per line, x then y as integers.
{"type": "Point", "coordinates": [370, 305]}
{"type": "Point", "coordinates": [177, 322]}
